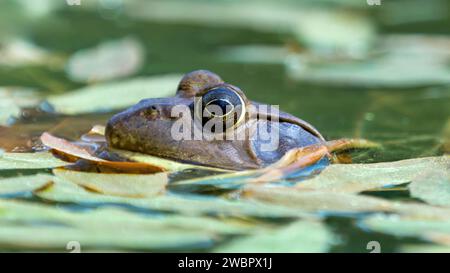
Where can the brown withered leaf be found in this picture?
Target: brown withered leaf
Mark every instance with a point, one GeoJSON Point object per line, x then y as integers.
{"type": "Point", "coordinates": [72, 150]}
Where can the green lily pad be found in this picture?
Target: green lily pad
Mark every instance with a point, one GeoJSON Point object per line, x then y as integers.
{"type": "Point", "coordinates": [301, 236]}
{"type": "Point", "coordinates": [21, 184]}
{"type": "Point", "coordinates": [17, 237]}
{"type": "Point", "coordinates": [13, 211]}
{"type": "Point", "coordinates": [67, 192]}
{"type": "Point", "coordinates": [433, 186]}
{"type": "Point", "coordinates": [103, 97]}
{"type": "Point", "coordinates": [316, 201]}
{"type": "Point", "coordinates": [425, 228]}
{"type": "Point", "coordinates": [131, 185]}
{"type": "Point", "coordinates": [40, 160]}
{"type": "Point", "coordinates": [100, 228]}
{"type": "Point", "coordinates": [361, 177]}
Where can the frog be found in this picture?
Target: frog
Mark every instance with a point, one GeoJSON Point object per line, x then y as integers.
{"type": "Point", "coordinates": [148, 127]}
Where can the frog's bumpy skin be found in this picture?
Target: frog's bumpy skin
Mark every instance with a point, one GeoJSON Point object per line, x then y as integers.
{"type": "Point", "coordinates": [197, 81]}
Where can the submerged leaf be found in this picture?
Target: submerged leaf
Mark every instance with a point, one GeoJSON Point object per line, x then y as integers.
{"type": "Point", "coordinates": [105, 97]}
{"type": "Point", "coordinates": [40, 160]}
{"type": "Point", "coordinates": [131, 185]}
{"type": "Point", "coordinates": [111, 59]}
{"type": "Point", "coordinates": [301, 236]}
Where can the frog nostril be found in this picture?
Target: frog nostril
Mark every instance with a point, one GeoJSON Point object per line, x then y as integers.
{"type": "Point", "coordinates": [151, 112]}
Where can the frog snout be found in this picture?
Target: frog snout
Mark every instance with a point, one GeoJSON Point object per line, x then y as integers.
{"type": "Point", "coordinates": [112, 131]}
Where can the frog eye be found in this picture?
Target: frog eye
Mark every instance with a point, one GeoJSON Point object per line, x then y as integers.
{"type": "Point", "coordinates": [221, 104]}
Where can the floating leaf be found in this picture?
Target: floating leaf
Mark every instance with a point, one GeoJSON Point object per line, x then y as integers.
{"type": "Point", "coordinates": [301, 236]}
{"type": "Point", "coordinates": [430, 229]}
{"type": "Point", "coordinates": [21, 184]}
{"type": "Point", "coordinates": [57, 238]}
{"type": "Point", "coordinates": [317, 202]}
{"type": "Point", "coordinates": [64, 191]}
{"type": "Point", "coordinates": [109, 60]}
{"type": "Point", "coordinates": [104, 97]}
{"type": "Point", "coordinates": [131, 185]}
{"type": "Point", "coordinates": [433, 186]}
{"type": "Point", "coordinates": [40, 160]}
{"type": "Point", "coordinates": [105, 228]}
{"type": "Point", "coordinates": [360, 177]}
{"type": "Point", "coordinates": [112, 218]}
